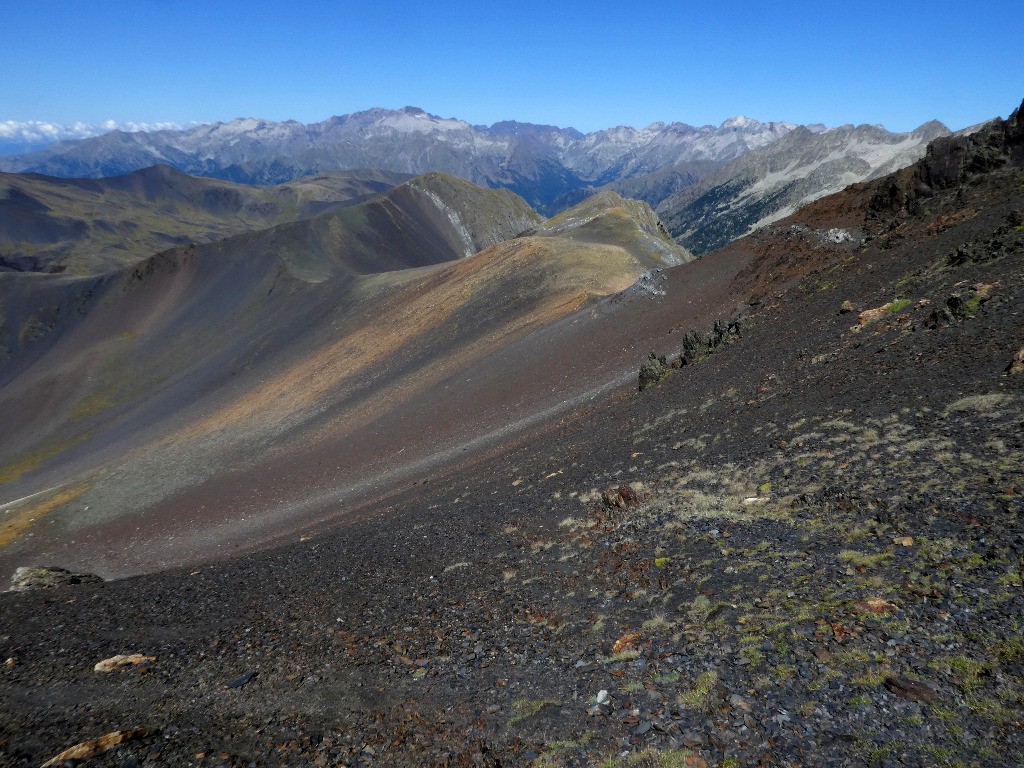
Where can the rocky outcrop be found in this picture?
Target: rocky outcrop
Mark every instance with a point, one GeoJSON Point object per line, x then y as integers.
{"type": "Point", "coordinates": [951, 161]}
{"type": "Point", "coordinates": [959, 306]}
{"type": "Point", "coordinates": [697, 345]}
{"type": "Point", "coordinates": [654, 370]}
{"type": "Point", "coordinates": [48, 577]}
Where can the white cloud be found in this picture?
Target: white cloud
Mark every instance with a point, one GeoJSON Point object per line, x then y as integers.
{"type": "Point", "coordinates": [41, 132]}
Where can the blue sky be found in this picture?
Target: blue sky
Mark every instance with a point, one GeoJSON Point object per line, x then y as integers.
{"type": "Point", "coordinates": [592, 65]}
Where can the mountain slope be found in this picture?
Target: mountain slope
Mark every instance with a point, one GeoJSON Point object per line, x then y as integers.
{"type": "Point", "coordinates": [244, 362]}
{"type": "Point", "coordinates": [770, 183]}
{"type": "Point", "coordinates": [85, 225]}
{"type": "Point", "coordinates": [608, 217]}
{"type": "Point", "coordinates": [803, 547]}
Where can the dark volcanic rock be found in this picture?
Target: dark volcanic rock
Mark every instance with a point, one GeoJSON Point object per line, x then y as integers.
{"type": "Point", "coordinates": [910, 689]}
{"type": "Point", "coordinates": [697, 345]}
{"type": "Point", "coordinates": [655, 369]}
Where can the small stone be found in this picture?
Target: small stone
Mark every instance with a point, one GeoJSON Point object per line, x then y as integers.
{"type": "Point", "coordinates": [10, 663]}
{"type": "Point", "coordinates": [239, 682]}
{"type": "Point", "coordinates": [1016, 366]}
{"type": "Point", "coordinates": [602, 696]}
{"type": "Point", "coordinates": [874, 605]}
{"type": "Point", "coordinates": [93, 747]}
{"type": "Point", "coordinates": [846, 307]}
{"type": "Point", "coordinates": [738, 702]}
{"type": "Point", "coordinates": [909, 689]}
{"type": "Point", "coordinates": [692, 739]}
{"type": "Point", "coordinates": [115, 663]}
{"type": "Point", "coordinates": [903, 541]}
{"type": "Point", "coordinates": [628, 642]}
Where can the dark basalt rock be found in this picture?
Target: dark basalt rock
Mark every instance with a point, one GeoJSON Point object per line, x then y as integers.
{"type": "Point", "coordinates": [654, 370]}
{"type": "Point", "coordinates": [697, 345]}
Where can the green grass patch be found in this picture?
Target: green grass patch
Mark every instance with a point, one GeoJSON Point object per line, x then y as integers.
{"type": "Point", "coordinates": [862, 559]}
{"type": "Point", "coordinates": [527, 708]}
{"type": "Point", "coordinates": [627, 655]}
{"type": "Point", "coordinates": [658, 758]}
{"type": "Point", "coordinates": [697, 696]}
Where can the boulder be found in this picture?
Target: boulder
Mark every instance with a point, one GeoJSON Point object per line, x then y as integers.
{"type": "Point", "coordinates": [47, 577]}
{"type": "Point", "coordinates": [94, 747]}
{"type": "Point", "coordinates": [653, 370]}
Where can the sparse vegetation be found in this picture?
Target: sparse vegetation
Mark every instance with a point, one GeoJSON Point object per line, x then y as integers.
{"type": "Point", "coordinates": [527, 708]}
{"type": "Point", "coordinates": [697, 696]}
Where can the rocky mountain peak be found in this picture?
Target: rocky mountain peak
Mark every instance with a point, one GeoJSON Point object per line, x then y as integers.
{"type": "Point", "coordinates": [740, 121]}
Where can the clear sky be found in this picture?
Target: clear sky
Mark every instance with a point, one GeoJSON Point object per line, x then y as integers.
{"type": "Point", "coordinates": [589, 65]}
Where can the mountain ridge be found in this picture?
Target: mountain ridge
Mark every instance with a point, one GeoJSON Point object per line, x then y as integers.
{"type": "Point", "coordinates": [536, 161]}
{"type": "Point", "coordinates": [270, 344]}
{"type": "Point", "coordinates": [87, 225]}
{"type": "Point", "coordinates": [772, 182]}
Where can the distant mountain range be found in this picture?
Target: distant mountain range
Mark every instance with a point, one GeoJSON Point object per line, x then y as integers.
{"type": "Point", "coordinates": [539, 162]}
{"type": "Point", "coordinates": [551, 168]}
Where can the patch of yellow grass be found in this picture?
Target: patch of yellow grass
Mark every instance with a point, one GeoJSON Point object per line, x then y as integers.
{"type": "Point", "coordinates": [16, 523]}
